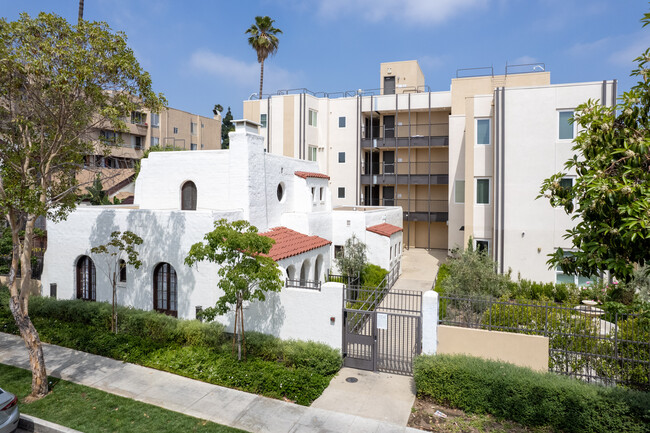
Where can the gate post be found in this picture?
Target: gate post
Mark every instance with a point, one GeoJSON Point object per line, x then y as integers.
{"type": "Point", "coordinates": [430, 322]}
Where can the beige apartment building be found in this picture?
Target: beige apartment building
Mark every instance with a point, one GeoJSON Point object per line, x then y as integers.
{"type": "Point", "coordinates": [172, 127]}
{"type": "Point", "coordinates": [465, 162]}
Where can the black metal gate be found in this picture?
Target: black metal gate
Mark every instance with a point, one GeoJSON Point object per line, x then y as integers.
{"type": "Point", "coordinates": [382, 329]}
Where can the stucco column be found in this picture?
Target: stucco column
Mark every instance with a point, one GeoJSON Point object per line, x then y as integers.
{"type": "Point", "coordinates": [430, 322]}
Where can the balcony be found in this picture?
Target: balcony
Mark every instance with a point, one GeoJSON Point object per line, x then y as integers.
{"type": "Point", "coordinates": [413, 135]}
{"type": "Point", "coordinates": [421, 209]}
{"type": "Point", "coordinates": [303, 284]}
{"type": "Point", "coordinates": [407, 173]}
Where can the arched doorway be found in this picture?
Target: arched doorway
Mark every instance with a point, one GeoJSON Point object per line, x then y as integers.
{"type": "Point", "coordinates": [188, 196]}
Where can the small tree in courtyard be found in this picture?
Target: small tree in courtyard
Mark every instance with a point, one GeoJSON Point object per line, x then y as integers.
{"type": "Point", "coordinates": [58, 83]}
{"type": "Point", "coordinates": [119, 252]}
{"type": "Point", "coordinates": [353, 258]}
{"type": "Point", "coordinates": [246, 272]}
{"type": "Point", "coordinates": [610, 199]}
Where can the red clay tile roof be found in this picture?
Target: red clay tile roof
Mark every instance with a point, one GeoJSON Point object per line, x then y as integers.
{"type": "Point", "coordinates": [384, 229]}
{"type": "Point", "coordinates": [306, 174]}
{"type": "Point", "coordinates": [290, 243]}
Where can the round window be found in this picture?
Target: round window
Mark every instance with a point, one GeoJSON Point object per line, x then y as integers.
{"type": "Point", "coordinates": [280, 192]}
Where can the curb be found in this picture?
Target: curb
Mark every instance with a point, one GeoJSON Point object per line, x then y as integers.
{"type": "Point", "coordinates": [36, 425]}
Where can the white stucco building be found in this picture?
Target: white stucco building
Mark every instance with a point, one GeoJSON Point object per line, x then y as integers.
{"type": "Point", "coordinates": [179, 196]}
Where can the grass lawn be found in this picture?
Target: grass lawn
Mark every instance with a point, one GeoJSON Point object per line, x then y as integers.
{"type": "Point", "coordinates": [93, 411]}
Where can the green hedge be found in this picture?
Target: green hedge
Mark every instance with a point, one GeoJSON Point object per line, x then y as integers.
{"type": "Point", "coordinates": [530, 398]}
{"type": "Point", "coordinates": [297, 370]}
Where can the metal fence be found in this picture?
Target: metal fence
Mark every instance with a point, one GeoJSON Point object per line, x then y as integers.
{"type": "Point", "coordinates": [584, 341]}
{"type": "Point", "coordinates": [303, 284]}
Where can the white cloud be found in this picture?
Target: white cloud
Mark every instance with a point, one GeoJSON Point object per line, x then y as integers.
{"type": "Point", "coordinates": [620, 50]}
{"type": "Point", "coordinates": [631, 49]}
{"type": "Point", "coordinates": [415, 11]}
{"type": "Point", "coordinates": [523, 60]}
{"type": "Point", "coordinates": [241, 73]}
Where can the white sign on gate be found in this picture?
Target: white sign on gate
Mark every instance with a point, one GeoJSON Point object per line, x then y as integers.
{"type": "Point", "coordinates": [382, 321]}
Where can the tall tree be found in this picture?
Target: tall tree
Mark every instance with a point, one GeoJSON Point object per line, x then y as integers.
{"type": "Point", "coordinates": [610, 199]}
{"type": "Point", "coordinates": [264, 41]}
{"type": "Point", "coordinates": [81, 12]}
{"type": "Point", "coordinates": [246, 271]}
{"type": "Point", "coordinates": [118, 252]}
{"type": "Point", "coordinates": [57, 83]}
{"type": "Point", "coordinates": [226, 128]}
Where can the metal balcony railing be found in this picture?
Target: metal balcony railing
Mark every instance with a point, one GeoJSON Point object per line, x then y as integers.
{"type": "Point", "coordinates": [413, 130]}
{"type": "Point", "coordinates": [303, 284]}
{"type": "Point", "coordinates": [406, 168]}
{"type": "Point", "coordinates": [417, 205]}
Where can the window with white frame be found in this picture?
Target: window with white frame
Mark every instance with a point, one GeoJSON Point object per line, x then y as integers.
{"type": "Point", "coordinates": [482, 190]}
{"type": "Point", "coordinates": [136, 141]}
{"type": "Point", "coordinates": [193, 129]}
{"type": "Point", "coordinates": [155, 120]}
{"type": "Point", "coordinates": [313, 117]}
{"type": "Point", "coordinates": [578, 280]}
{"type": "Point", "coordinates": [482, 245]}
{"type": "Point", "coordinates": [459, 191]}
{"type": "Point", "coordinates": [312, 153]}
{"type": "Point", "coordinates": [321, 193]}
{"type": "Point", "coordinates": [566, 182]}
{"type": "Point", "coordinates": [341, 157]}
{"type": "Point", "coordinates": [566, 128]}
{"type": "Point", "coordinates": [155, 141]}
{"type": "Point", "coordinates": [341, 192]}
{"type": "Point", "coordinates": [483, 133]}
{"type": "Point", "coordinates": [263, 120]}
{"type": "Point", "coordinates": [342, 122]}
{"type": "Point", "coordinates": [192, 146]}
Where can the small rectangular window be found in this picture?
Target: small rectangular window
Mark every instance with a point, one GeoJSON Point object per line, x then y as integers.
{"type": "Point", "coordinates": [565, 125]}
{"type": "Point", "coordinates": [193, 130]}
{"type": "Point", "coordinates": [138, 118]}
{"type": "Point", "coordinates": [566, 182]}
{"type": "Point", "coordinates": [483, 191]}
{"type": "Point", "coordinates": [155, 120]}
{"type": "Point", "coordinates": [482, 245]}
{"type": "Point", "coordinates": [459, 191]}
{"type": "Point", "coordinates": [341, 192]}
{"type": "Point", "coordinates": [136, 142]}
{"type": "Point", "coordinates": [313, 193]}
{"type": "Point", "coordinates": [313, 117]}
{"type": "Point", "coordinates": [155, 141]}
{"type": "Point", "coordinates": [192, 146]}
{"type": "Point", "coordinates": [341, 157]}
{"type": "Point", "coordinates": [312, 153]}
{"type": "Point", "coordinates": [483, 132]}
{"type": "Point", "coordinates": [320, 193]}
{"type": "Point", "coordinates": [338, 251]}
{"type": "Point", "coordinates": [342, 122]}
{"type": "Point", "coordinates": [122, 271]}
{"type": "Point", "coordinates": [175, 130]}
{"type": "Point", "coordinates": [263, 120]}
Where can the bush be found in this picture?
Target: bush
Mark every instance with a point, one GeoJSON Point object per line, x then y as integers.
{"type": "Point", "coordinates": [528, 397]}
{"type": "Point", "coordinates": [372, 275]}
{"type": "Point", "coordinates": [298, 370]}
{"type": "Point", "coordinates": [472, 273]}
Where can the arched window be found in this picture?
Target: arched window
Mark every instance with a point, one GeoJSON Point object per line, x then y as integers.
{"type": "Point", "coordinates": [318, 268]}
{"type": "Point", "coordinates": [291, 272]}
{"type": "Point", "coordinates": [164, 289]}
{"type": "Point", "coordinates": [86, 279]}
{"type": "Point", "coordinates": [188, 196]}
{"type": "Point", "coordinates": [122, 278]}
{"type": "Point", "coordinates": [304, 273]}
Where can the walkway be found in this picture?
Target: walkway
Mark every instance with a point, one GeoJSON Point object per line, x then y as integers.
{"type": "Point", "coordinates": [419, 269]}
{"type": "Point", "coordinates": [226, 406]}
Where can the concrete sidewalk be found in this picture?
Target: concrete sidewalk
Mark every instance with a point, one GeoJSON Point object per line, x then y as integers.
{"type": "Point", "coordinates": [419, 269]}
{"type": "Point", "coordinates": [226, 406]}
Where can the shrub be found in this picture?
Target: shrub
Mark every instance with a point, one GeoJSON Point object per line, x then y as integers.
{"type": "Point", "coordinates": [530, 398]}
{"type": "Point", "coordinates": [443, 274]}
{"type": "Point", "coordinates": [472, 273]}
{"type": "Point", "coordinates": [372, 275]}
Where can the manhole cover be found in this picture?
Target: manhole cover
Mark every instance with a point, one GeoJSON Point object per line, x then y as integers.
{"type": "Point", "coordinates": [351, 379]}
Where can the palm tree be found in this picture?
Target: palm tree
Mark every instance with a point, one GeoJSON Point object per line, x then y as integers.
{"type": "Point", "coordinates": [264, 41]}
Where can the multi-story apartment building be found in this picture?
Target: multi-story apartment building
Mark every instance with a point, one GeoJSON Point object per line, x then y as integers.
{"type": "Point", "coordinates": [466, 162]}
{"type": "Point", "coordinates": [172, 127]}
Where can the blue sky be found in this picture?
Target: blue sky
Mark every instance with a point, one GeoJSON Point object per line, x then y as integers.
{"type": "Point", "coordinates": [198, 55]}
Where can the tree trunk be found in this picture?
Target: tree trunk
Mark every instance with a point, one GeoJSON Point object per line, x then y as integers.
{"type": "Point", "coordinates": [239, 316]}
{"type": "Point", "coordinates": [261, 76]}
{"type": "Point", "coordinates": [81, 11]}
{"type": "Point", "coordinates": [19, 305]}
